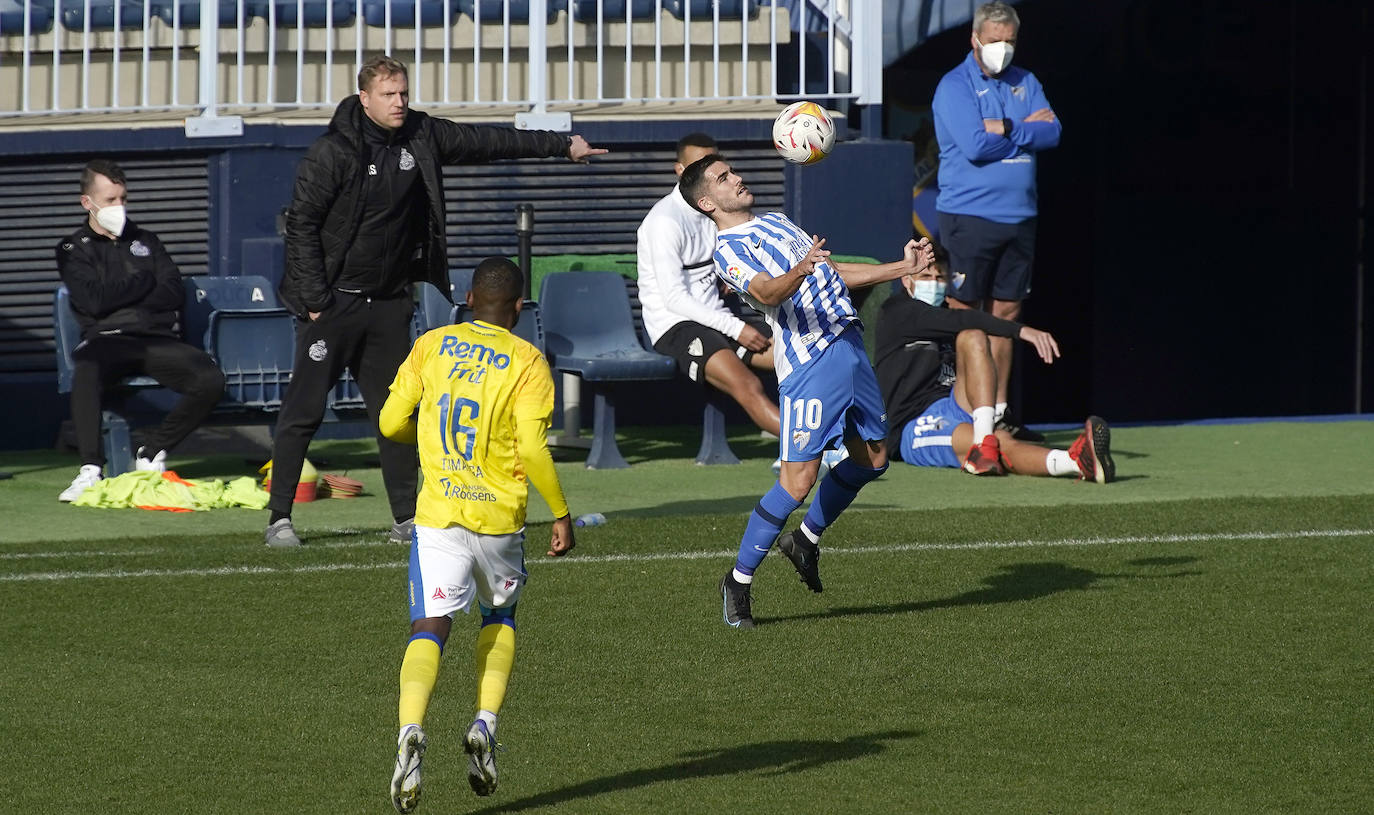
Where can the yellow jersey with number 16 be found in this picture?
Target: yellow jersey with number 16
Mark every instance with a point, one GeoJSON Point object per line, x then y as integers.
{"type": "Point", "coordinates": [474, 383]}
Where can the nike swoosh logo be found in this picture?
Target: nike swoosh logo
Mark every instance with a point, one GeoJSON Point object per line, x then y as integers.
{"type": "Point", "coordinates": [983, 91]}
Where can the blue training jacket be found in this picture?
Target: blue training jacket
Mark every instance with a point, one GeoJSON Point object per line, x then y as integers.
{"type": "Point", "coordinates": [982, 173]}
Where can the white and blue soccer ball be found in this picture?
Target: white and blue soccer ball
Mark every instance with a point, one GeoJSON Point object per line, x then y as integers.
{"type": "Point", "coordinates": [803, 133]}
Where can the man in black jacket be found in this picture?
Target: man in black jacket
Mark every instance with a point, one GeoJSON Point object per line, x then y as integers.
{"type": "Point", "coordinates": [127, 295]}
{"type": "Point", "coordinates": [366, 220]}
{"type": "Point", "coordinates": [936, 372]}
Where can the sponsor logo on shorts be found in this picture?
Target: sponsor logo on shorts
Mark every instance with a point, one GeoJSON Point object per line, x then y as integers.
{"type": "Point", "coordinates": [694, 347]}
{"type": "Point", "coordinates": [318, 350]}
{"type": "Point", "coordinates": [438, 594]}
{"type": "Point", "coordinates": [510, 583]}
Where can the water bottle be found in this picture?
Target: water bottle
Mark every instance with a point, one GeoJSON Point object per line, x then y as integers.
{"type": "Point", "coordinates": [590, 519]}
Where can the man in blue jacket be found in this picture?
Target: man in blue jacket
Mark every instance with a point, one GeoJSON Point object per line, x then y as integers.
{"type": "Point", "coordinates": [991, 118]}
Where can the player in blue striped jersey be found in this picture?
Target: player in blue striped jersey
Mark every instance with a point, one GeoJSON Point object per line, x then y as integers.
{"type": "Point", "coordinates": [827, 388]}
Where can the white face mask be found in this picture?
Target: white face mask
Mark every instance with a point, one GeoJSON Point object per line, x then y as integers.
{"type": "Point", "coordinates": [996, 56]}
{"type": "Point", "coordinates": [111, 219]}
{"type": "Point", "coordinates": [929, 291]}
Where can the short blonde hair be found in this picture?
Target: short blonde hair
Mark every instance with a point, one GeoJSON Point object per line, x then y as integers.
{"type": "Point", "coordinates": [381, 65]}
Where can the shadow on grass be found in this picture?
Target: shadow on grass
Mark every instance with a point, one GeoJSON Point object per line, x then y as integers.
{"type": "Point", "coordinates": [1014, 583]}
{"type": "Point", "coordinates": [768, 757]}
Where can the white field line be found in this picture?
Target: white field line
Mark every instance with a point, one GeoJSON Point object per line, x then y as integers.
{"type": "Point", "coordinates": [685, 556]}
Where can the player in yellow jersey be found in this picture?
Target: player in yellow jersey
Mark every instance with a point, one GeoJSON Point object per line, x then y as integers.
{"type": "Point", "coordinates": [485, 400]}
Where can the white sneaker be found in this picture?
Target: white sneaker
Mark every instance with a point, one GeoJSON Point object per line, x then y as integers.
{"type": "Point", "coordinates": [90, 473]}
{"type": "Point", "coordinates": [405, 779]}
{"type": "Point", "coordinates": [156, 464]}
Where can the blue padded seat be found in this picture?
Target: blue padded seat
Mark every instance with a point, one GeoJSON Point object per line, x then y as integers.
{"type": "Point", "coordinates": [703, 10]}
{"type": "Point", "coordinates": [313, 13]}
{"type": "Point", "coordinates": [432, 309]}
{"type": "Point", "coordinates": [584, 11]}
{"type": "Point", "coordinates": [228, 16]}
{"type": "Point", "coordinates": [240, 323]}
{"type": "Point", "coordinates": [493, 11]}
{"type": "Point", "coordinates": [12, 16]}
{"type": "Point", "coordinates": [73, 14]}
{"type": "Point", "coordinates": [589, 330]}
{"type": "Point", "coordinates": [403, 13]}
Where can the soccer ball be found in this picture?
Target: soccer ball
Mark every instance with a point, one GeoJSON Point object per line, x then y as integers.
{"type": "Point", "coordinates": [803, 133]}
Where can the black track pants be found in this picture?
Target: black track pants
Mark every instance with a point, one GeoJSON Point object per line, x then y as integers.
{"type": "Point", "coordinates": [102, 361]}
{"type": "Point", "coordinates": [371, 338]}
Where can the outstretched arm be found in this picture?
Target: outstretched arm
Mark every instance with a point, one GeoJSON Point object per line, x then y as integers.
{"type": "Point", "coordinates": [916, 256]}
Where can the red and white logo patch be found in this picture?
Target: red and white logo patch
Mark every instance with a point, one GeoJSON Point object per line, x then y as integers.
{"type": "Point", "coordinates": [438, 594]}
{"type": "Point", "coordinates": [510, 583]}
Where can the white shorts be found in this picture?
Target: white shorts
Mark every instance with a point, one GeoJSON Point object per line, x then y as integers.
{"type": "Point", "coordinates": [449, 567]}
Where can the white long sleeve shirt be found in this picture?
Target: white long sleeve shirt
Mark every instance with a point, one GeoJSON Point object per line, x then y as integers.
{"type": "Point", "coordinates": [677, 277]}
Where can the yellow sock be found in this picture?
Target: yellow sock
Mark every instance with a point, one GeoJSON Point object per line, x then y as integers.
{"type": "Point", "coordinates": [419, 672]}
{"type": "Point", "coordinates": [495, 658]}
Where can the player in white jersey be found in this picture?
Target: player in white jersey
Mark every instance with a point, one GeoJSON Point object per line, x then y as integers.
{"type": "Point", "coordinates": [684, 314]}
{"type": "Point", "coordinates": [828, 390]}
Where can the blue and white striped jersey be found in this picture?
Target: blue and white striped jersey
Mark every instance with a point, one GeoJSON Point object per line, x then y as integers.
{"type": "Point", "coordinates": [813, 317]}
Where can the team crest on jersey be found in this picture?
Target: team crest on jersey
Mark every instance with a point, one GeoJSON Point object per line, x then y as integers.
{"type": "Point", "coordinates": [318, 350]}
{"type": "Point", "coordinates": [1019, 90]}
{"type": "Point", "coordinates": [407, 160]}
{"type": "Point", "coordinates": [800, 437]}
{"type": "Point", "coordinates": [138, 250]}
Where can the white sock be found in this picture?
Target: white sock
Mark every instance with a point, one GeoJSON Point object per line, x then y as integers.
{"type": "Point", "coordinates": [741, 577]}
{"type": "Point", "coordinates": [1001, 411]}
{"type": "Point", "coordinates": [984, 420]}
{"type": "Point", "coordinates": [490, 718]}
{"type": "Point", "coordinates": [1058, 462]}
{"type": "Point", "coordinates": [814, 537]}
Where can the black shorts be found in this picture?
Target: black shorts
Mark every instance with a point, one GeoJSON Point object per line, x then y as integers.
{"type": "Point", "coordinates": [691, 344]}
{"type": "Point", "coordinates": [987, 259]}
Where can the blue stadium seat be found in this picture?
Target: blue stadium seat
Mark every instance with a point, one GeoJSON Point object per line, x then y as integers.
{"type": "Point", "coordinates": [12, 16]}
{"type": "Point", "coordinates": [206, 295]}
{"type": "Point", "coordinates": [703, 10]}
{"type": "Point", "coordinates": [403, 12]}
{"type": "Point", "coordinates": [584, 11]}
{"type": "Point", "coordinates": [239, 322]}
{"type": "Point", "coordinates": [589, 331]}
{"type": "Point", "coordinates": [493, 11]}
{"type": "Point", "coordinates": [311, 15]}
{"type": "Point", "coordinates": [190, 12]}
{"type": "Point", "coordinates": [461, 281]}
{"type": "Point", "coordinates": [73, 14]}
{"type": "Point", "coordinates": [432, 310]}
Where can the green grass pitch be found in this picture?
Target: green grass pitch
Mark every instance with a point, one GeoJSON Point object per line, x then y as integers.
{"type": "Point", "coordinates": [1195, 638]}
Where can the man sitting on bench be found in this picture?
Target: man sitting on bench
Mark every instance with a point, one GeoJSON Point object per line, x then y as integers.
{"type": "Point", "coordinates": [127, 295]}
{"type": "Point", "coordinates": [684, 313]}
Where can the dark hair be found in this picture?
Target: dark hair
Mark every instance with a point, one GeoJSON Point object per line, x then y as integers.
{"type": "Point", "coordinates": [101, 166]}
{"type": "Point", "coordinates": [693, 181]}
{"type": "Point", "coordinates": [497, 280]}
{"type": "Point", "coordinates": [381, 65]}
{"type": "Point", "coordinates": [694, 140]}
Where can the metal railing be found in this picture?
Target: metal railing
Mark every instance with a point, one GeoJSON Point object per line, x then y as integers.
{"type": "Point", "coordinates": [250, 57]}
